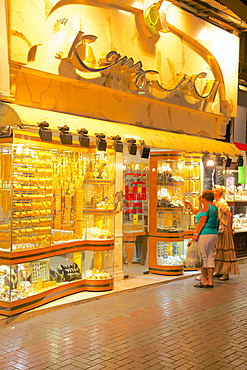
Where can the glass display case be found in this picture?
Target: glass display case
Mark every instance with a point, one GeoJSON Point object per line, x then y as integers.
{"type": "Point", "coordinates": [235, 191]}
{"type": "Point", "coordinates": [239, 212]}
{"type": "Point", "coordinates": [174, 176]}
{"type": "Point", "coordinates": [170, 191]}
{"type": "Point", "coordinates": [98, 265]}
{"type": "Point", "coordinates": [5, 197]}
{"type": "Point", "coordinates": [98, 190]}
{"type": "Point", "coordinates": [28, 279]}
{"type": "Point", "coordinates": [56, 213]}
{"type": "Point", "coordinates": [169, 253]}
{"type": "Point", "coordinates": [135, 202]}
{"type": "Point", "coordinates": [135, 196]}
{"type": "Point", "coordinates": [236, 197]}
{"type": "Point", "coordinates": [192, 186]}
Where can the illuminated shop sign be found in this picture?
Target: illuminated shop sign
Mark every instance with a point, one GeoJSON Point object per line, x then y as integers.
{"type": "Point", "coordinates": [161, 52]}
{"type": "Point", "coordinates": [113, 60]}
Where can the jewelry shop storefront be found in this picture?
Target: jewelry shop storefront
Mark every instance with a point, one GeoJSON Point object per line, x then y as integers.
{"type": "Point", "coordinates": [104, 131]}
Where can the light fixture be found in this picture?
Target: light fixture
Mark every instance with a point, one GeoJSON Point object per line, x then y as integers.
{"type": "Point", "coordinates": [65, 136]}
{"type": "Point", "coordinates": [101, 142]}
{"type": "Point", "coordinates": [219, 160]}
{"type": "Point", "coordinates": [145, 150]}
{"type": "Point", "coordinates": [118, 145]}
{"type": "Point", "coordinates": [45, 133]}
{"type": "Point", "coordinates": [5, 131]}
{"type": "Point", "coordinates": [132, 147]}
{"type": "Point", "coordinates": [83, 138]}
{"type": "Point", "coordinates": [240, 161]}
{"type": "Point", "coordinates": [207, 160]}
{"type": "Point", "coordinates": [228, 161]}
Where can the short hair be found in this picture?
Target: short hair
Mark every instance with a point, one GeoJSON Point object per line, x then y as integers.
{"type": "Point", "coordinates": [208, 195]}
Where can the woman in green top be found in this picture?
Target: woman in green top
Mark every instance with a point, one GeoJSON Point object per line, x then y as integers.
{"type": "Point", "coordinates": [206, 233]}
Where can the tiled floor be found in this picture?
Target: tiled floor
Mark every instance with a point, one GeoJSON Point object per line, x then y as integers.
{"type": "Point", "coordinates": [162, 326]}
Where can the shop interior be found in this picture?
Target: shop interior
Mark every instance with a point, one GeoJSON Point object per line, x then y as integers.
{"type": "Point", "coordinates": [59, 205]}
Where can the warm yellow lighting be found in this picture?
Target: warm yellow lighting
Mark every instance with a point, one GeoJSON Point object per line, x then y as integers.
{"type": "Point", "coordinates": [137, 5]}
{"type": "Point", "coordinates": [19, 149]}
{"type": "Point", "coordinates": [204, 34]}
{"type": "Point", "coordinates": [210, 163]}
{"type": "Point", "coordinates": [124, 11]}
{"type": "Point", "coordinates": [164, 6]}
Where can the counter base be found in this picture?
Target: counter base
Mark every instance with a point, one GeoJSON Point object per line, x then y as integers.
{"type": "Point", "coordinates": [39, 299]}
{"type": "Point", "coordinates": [167, 270]}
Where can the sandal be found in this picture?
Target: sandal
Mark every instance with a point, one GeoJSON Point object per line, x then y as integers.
{"type": "Point", "coordinates": [200, 285]}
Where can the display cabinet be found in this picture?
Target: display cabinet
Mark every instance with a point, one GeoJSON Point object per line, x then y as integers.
{"type": "Point", "coordinates": [235, 191]}
{"type": "Point", "coordinates": [239, 212]}
{"type": "Point", "coordinates": [174, 177]}
{"type": "Point", "coordinates": [236, 197]}
{"type": "Point", "coordinates": [135, 201]}
{"type": "Point", "coordinates": [56, 220]}
{"type": "Point", "coordinates": [166, 213]}
{"type": "Point", "coordinates": [192, 187]}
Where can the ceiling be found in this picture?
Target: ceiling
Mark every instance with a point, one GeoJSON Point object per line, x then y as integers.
{"type": "Point", "coordinates": [230, 15]}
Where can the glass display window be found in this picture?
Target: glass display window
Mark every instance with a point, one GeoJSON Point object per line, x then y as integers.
{"type": "Point", "coordinates": [234, 190]}
{"type": "Point", "coordinates": [135, 194]}
{"type": "Point", "coordinates": [5, 196]}
{"type": "Point", "coordinates": [27, 279]}
{"type": "Point", "coordinates": [192, 186]}
{"type": "Point", "coordinates": [174, 177]}
{"type": "Point", "coordinates": [98, 226]}
{"type": "Point", "coordinates": [98, 265]}
{"type": "Point", "coordinates": [32, 180]}
{"type": "Point", "coordinates": [54, 198]}
{"type": "Point", "coordinates": [99, 192]}
{"type": "Point", "coordinates": [170, 220]}
{"type": "Point", "coordinates": [169, 253]}
{"type": "Point", "coordinates": [53, 193]}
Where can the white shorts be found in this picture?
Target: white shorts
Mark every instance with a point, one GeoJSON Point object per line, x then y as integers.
{"type": "Point", "coordinates": [207, 245]}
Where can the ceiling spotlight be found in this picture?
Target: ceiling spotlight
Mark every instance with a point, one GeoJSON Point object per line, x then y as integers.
{"type": "Point", "coordinates": [118, 145]}
{"type": "Point", "coordinates": [240, 161]}
{"type": "Point", "coordinates": [5, 131]}
{"type": "Point", "coordinates": [145, 150]}
{"type": "Point", "coordinates": [207, 160]}
{"type": "Point", "coordinates": [101, 142]}
{"type": "Point", "coordinates": [44, 132]}
{"type": "Point", "coordinates": [132, 147]}
{"type": "Point", "coordinates": [228, 161]}
{"type": "Point", "coordinates": [219, 160]}
{"type": "Point", "coordinates": [83, 138]}
{"type": "Point", "coordinates": [65, 135]}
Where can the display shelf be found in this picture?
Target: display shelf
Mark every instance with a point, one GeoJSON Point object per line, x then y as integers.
{"type": "Point", "coordinates": [134, 195]}
{"type": "Point", "coordinates": [56, 220]}
{"type": "Point", "coordinates": [173, 177]}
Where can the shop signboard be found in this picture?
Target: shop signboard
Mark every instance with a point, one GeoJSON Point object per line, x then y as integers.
{"type": "Point", "coordinates": [161, 53]}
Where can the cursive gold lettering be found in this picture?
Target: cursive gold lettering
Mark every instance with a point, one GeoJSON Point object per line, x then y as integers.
{"type": "Point", "coordinates": [113, 60]}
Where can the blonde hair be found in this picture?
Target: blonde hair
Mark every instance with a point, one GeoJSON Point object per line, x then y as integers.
{"type": "Point", "coordinates": [219, 189]}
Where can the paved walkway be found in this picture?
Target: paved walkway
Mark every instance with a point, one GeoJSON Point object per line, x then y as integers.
{"type": "Point", "coordinates": [165, 326]}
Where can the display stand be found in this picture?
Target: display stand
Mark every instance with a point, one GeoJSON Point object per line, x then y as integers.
{"type": "Point", "coordinates": [239, 212]}
{"type": "Point", "coordinates": [173, 176]}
